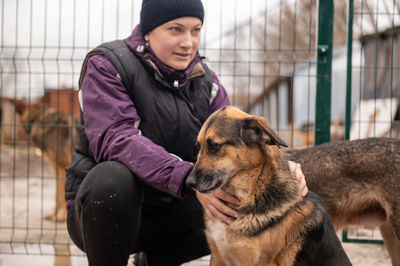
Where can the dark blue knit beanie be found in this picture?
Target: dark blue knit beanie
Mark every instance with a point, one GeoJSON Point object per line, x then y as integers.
{"type": "Point", "coordinates": [157, 12]}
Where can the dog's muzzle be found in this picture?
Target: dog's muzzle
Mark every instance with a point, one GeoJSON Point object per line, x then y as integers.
{"type": "Point", "coordinates": [192, 180]}
{"type": "Point", "coordinates": [203, 182]}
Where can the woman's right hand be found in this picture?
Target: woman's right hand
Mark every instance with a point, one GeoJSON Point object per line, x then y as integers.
{"type": "Point", "coordinates": [215, 207]}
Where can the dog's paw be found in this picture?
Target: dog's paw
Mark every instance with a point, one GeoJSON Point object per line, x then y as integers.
{"type": "Point", "coordinates": [50, 216]}
{"type": "Point", "coordinates": [59, 216]}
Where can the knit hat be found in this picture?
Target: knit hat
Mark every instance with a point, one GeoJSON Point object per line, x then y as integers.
{"type": "Point", "coordinates": [157, 12]}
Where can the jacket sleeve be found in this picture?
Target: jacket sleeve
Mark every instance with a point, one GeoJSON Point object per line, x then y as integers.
{"type": "Point", "coordinates": [219, 96]}
{"type": "Point", "coordinates": [110, 122]}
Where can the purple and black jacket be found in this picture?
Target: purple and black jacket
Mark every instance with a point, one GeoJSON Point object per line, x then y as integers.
{"type": "Point", "coordinates": [119, 128]}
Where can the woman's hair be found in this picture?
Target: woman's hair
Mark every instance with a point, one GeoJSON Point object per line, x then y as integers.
{"type": "Point", "coordinates": [157, 12]}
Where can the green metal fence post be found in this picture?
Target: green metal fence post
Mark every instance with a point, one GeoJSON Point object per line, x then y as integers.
{"type": "Point", "coordinates": [324, 71]}
{"type": "Point", "coordinates": [349, 66]}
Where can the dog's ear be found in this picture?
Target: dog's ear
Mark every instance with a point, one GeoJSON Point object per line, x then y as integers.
{"type": "Point", "coordinates": [256, 129]}
{"type": "Point", "coordinates": [20, 106]}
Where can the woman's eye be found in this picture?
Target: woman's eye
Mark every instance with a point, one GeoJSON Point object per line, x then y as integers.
{"type": "Point", "coordinates": [175, 29]}
{"type": "Point", "coordinates": [196, 30]}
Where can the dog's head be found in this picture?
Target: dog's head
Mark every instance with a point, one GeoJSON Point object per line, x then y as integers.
{"type": "Point", "coordinates": [28, 113]}
{"type": "Point", "coordinates": [230, 142]}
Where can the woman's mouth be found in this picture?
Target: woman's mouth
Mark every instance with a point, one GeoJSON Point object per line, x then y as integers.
{"type": "Point", "coordinates": [182, 56]}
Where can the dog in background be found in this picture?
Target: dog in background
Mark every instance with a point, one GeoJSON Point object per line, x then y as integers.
{"type": "Point", "coordinates": [359, 181]}
{"type": "Point", "coordinates": [276, 226]}
{"type": "Point", "coordinates": [54, 133]}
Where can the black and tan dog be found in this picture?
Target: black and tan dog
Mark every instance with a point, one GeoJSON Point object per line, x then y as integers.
{"type": "Point", "coordinates": [54, 133]}
{"type": "Point", "coordinates": [276, 226]}
{"type": "Point", "coordinates": [359, 181]}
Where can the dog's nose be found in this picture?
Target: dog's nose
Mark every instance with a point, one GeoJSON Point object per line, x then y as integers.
{"type": "Point", "coordinates": [191, 180]}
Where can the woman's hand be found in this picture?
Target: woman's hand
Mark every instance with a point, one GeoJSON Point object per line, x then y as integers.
{"type": "Point", "coordinates": [296, 170]}
{"type": "Point", "coordinates": [215, 207]}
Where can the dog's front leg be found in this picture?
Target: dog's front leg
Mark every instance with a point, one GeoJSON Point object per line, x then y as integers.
{"type": "Point", "coordinates": [61, 204]}
{"type": "Point", "coordinates": [59, 214]}
{"type": "Point", "coordinates": [216, 259]}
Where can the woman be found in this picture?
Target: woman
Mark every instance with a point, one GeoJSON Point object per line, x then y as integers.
{"type": "Point", "coordinates": [141, 123]}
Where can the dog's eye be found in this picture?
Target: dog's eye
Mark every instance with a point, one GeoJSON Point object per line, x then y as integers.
{"type": "Point", "coordinates": [214, 148]}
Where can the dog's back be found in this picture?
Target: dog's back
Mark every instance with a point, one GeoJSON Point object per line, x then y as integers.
{"type": "Point", "coordinates": [360, 183]}
{"type": "Point", "coordinates": [353, 172]}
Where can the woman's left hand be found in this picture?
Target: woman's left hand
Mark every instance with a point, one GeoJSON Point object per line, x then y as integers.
{"type": "Point", "coordinates": [296, 170]}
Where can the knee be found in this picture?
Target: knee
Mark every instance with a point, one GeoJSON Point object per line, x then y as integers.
{"type": "Point", "coordinates": [110, 183]}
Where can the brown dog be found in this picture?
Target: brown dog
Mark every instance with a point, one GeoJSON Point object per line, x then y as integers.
{"type": "Point", "coordinates": [55, 134]}
{"type": "Point", "coordinates": [276, 226]}
{"type": "Point", "coordinates": [360, 183]}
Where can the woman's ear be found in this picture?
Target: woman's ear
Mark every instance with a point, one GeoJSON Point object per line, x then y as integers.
{"type": "Point", "coordinates": [147, 37]}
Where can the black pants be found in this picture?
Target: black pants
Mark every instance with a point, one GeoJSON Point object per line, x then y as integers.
{"type": "Point", "coordinates": [115, 215]}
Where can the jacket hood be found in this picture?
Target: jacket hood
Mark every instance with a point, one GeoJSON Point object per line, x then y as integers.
{"type": "Point", "coordinates": [176, 78]}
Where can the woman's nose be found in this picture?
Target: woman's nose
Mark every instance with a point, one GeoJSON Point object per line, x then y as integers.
{"type": "Point", "coordinates": [187, 40]}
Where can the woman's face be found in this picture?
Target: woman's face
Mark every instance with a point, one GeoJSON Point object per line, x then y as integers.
{"type": "Point", "coordinates": [175, 42]}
